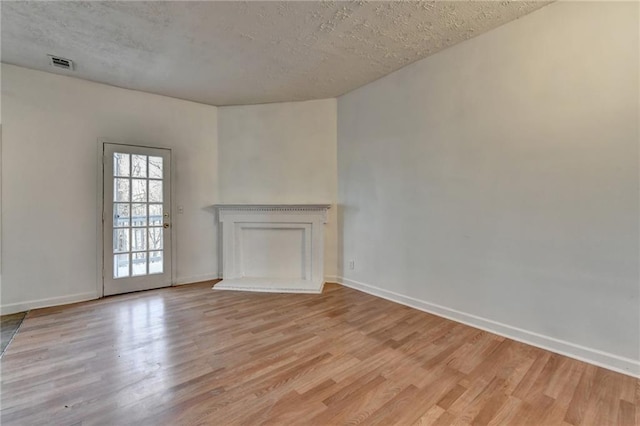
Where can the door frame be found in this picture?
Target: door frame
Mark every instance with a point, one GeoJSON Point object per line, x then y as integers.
{"type": "Point", "coordinates": [100, 209]}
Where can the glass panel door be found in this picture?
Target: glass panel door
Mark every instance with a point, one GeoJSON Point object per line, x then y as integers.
{"type": "Point", "coordinates": [136, 220]}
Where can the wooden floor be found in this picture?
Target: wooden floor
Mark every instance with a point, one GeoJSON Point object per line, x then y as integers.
{"type": "Point", "coordinates": [189, 355]}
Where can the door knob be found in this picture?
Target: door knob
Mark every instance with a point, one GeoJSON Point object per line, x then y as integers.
{"type": "Point", "coordinates": [165, 226]}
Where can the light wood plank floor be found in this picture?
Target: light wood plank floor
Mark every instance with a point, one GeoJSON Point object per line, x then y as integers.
{"type": "Point", "coordinates": [189, 355]}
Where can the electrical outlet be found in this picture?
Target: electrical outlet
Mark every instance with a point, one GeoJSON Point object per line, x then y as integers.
{"type": "Point", "coordinates": [352, 264]}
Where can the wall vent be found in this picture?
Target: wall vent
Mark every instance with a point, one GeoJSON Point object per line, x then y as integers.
{"type": "Point", "coordinates": [58, 62]}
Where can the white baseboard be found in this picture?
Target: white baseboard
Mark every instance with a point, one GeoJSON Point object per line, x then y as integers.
{"type": "Point", "coordinates": [196, 279]}
{"type": "Point", "coordinates": [330, 279]}
{"type": "Point", "coordinates": [592, 356]}
{"type": "Point", "coordinates": [13, 308]}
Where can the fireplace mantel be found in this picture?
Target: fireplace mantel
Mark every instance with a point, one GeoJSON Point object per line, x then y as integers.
{"type": "Point", "coordinates": [272, 247]}
{"type": "Point", "coordinates": [259, 209]}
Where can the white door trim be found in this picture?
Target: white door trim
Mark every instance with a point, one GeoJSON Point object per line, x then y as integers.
{"type": "Point", "coordinates": [100, 209]}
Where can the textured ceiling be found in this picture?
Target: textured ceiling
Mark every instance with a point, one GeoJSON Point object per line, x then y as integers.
{"type": "Point", "coordinates": [228, 53]}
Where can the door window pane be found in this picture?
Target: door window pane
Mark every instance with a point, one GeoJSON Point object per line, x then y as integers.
{"type": "Point", "coordinates": [121, 189]}
{"type": "Point", "coordinates": [120, 240]}
{"type": "Point", "coordinates": [155, 191]}
{"type": "Point", "coordinates": [121, 265]}
{"type": "Point", "coordinates": [155, 238]}
{"type": "Point", "coordinates": [139, 190]}
{"type": "Point", "coordinates": [139, 239]}
{"type": "Point", "coordinates": [120, 164]}
{"type": "Point", "coordinates": [155, 262]}
{"type": "Point", "coordinates": [139, 263]}
{"type": "Point", "coordinates": [155, 167]}
{"type": "Point", "coordinates": [155, 214]}
{"type": "Point", "coordinates": [139, 166]}
{"type": "Point", "coordinates": [121, 214]}
{"type": "Point", "coordinates": [139, 216]}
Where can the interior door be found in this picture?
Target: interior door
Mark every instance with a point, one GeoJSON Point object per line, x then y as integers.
{"type": "Point", "coordinates": [136, 218]}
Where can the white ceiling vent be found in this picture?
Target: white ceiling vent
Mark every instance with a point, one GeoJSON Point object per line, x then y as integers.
{"type": "Point", "coordinates": [58, 62]}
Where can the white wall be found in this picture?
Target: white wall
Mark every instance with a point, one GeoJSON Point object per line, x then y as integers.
{"type": "Point", "coordinates": [496, 182]}
{"type": "Point", "coordinates": [49, 167]}
{"type": "Point", "coordinates": [281, 153]}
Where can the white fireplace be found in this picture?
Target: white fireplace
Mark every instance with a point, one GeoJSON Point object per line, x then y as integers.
{"type": "Point", "coordinates": [272, 247]}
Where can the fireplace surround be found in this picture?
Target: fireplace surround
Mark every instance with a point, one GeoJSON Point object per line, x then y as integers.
{"type": "Point", "coordinates": [275, 248]}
